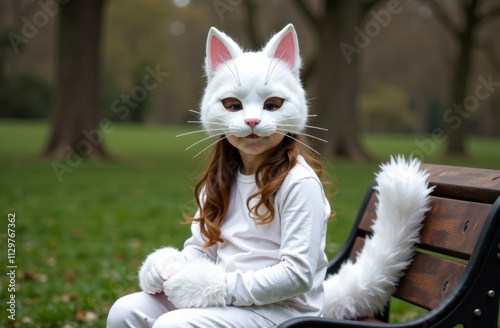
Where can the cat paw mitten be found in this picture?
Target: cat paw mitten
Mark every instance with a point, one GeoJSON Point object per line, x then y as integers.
{"type": "Point", "coordinates": [201, 283]}
{"type": "Point", "coordinates": [158, 267]}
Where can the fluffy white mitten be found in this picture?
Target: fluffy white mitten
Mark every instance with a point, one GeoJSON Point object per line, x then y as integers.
{"type": "Point", "coordinates": [200, 284]}
{"type": "Point", "coordinates": [158, 267]}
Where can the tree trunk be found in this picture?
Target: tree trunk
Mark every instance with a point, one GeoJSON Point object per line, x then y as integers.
{"type": "Point", "coordinates": [337, 86]}
{"type": "Point", "coordinates": [252, 13]}
{"type": "Point", "coordinates": [76, 110]}
{"type": "Point", "coordinates": [457, 129]}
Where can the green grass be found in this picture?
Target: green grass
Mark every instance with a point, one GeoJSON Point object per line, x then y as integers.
{"type": "Point", "coordinates": [80, 241]}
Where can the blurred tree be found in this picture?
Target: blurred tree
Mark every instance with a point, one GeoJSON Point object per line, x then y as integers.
{"type": "Point", "coordinates": [25, 95]}
{"type": "Point", "coordinates": [434, 117]}
{"type": "Point", "coordinates": [491, 117]}
{"type": "Point", "coordinates": [379, 115]}
{"type": "Point", "coordinates": [465, 38]}
{"type": "Point", "coordinates": [337, 74]}
{"type": "Point", "coordinates": [138, 113]}
{"type": "Point", "coordinates": [251, 14]}
{"type": "Point", "coordinates": [3, 46]}
{"type": "Point", "coordinates": [74, 117]}
{"type": "Point", "coordinates": [159, 35]}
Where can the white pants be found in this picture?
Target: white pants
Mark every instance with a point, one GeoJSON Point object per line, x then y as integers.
{"type": "Point", "coordinates": [141, 310]}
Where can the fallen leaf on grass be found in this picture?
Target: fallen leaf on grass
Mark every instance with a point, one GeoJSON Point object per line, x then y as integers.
{"type": "Point", "coordinates": [78, 233]}
{"type": "Point", "coordinates": [70, 275]}
{"type": "Point", "coordinates": [105, 309]}
{"type": "Point", "coordinates": [86, 316]}
{"type": "Point", "coordinates": [31, 301]}
{"type": "Point", "coordinates": [28, 246]}
{"type": "Point", "coordinates": [27, 320]}
{"type": "Point", "coordinates": [32, 275]}
{"type": "Point", "coordinates": [51, 261]}
{"type": "Point", "coordinates": [27, 275]}
{"type": "Point", "coordinates": [50, 222]}
{"type": "Point", "coordinates": [66, 298]}
{"type": "Point", "coordinates": [135, 243]}
{"type": "Point", "coordinates": [119, 257]}
{"type": "Point", "coordinates": [42, 277]}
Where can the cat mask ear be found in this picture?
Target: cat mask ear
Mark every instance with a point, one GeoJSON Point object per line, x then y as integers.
{"type": "Point", "coordinates": [285, 46]}
{"type": "Point", "coordinates": [220, 48]}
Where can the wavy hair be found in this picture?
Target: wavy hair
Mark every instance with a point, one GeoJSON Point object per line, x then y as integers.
{"type": "Point", "coordinates": [218, 177]}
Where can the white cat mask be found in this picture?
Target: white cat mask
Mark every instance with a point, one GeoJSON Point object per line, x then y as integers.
{"type": "Point", "coordinates": [253, 93]}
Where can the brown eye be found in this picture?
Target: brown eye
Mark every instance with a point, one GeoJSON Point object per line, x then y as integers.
{"type": "Point", "coordinates": [273, 103]}
{"type": "Point", "coordinates": [232, 104]}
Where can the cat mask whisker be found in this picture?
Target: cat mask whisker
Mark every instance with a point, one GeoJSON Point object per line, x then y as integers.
{"type": "Point", "coordinates": [199, 141]}
{"type": "Point", "coordinates": [268, 76]}
{"type": "Point", "coordinates": [213, 143]}
{"type": "Point", "coordinates": [292, 118]}
{"type": "Point", "coordinates": [199, 113]}
{"type": "Point", "coordinates": [194, 111]}
{"type": "Point", "coordinates": [268, 68]}
{"type": "Point", "coordinates": [302, 143]}
{"type": "Point", "coordinates": [200, 122]}
{"type": "Point", "coordinates": [237, 79]}
{"type": "Point", "coordinates": [237, 75]}
{"type": "Point", "coordinates": [304, 134]}
{"type": "Point", "coordinates": [199, 131]}
{"type": "Point", "coordinates": [305, 126]}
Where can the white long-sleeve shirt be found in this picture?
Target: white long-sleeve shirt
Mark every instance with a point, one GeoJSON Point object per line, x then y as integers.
{"type": "Point", "coordinates": [276, 269]}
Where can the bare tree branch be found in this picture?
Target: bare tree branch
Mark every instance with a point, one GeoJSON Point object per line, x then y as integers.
{"type": "Point", "coordinates": [488, 16]}
{"type": "Point", "coordinates": [308, 14]}
{"type": "Point", "coordinates": [470, 13]}
{"type": "Point", "coordinates": [488, 49]}
{"type": "Point", "coordinates": [27, 9]}
{"type": "Point", "coordinates": [309, 70]}
{"type": "Point", "coordinates": [368, 5]}
{"type": "Point", "coordinates": [251, 8]}
{"type": "Point", "coordinates": [443, 17]}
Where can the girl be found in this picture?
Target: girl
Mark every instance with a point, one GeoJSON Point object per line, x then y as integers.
{"type": "Point", "coordinates": [256, 255]}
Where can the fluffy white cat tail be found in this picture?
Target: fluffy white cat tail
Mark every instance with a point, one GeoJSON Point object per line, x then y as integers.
{"type": "Point", "coordinates": [362, 289]}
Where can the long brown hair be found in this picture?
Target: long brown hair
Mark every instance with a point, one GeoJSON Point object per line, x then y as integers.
{"type": "Point", "coordinates": [219, 176]}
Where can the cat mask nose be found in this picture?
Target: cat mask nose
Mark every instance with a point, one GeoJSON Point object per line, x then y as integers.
{"type": "Point", "coordinates": [252, 122]}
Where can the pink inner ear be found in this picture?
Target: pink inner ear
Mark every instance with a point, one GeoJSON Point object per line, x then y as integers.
{"type": "Point", "coordinates": [218, 52]}
{"type": "Point", "coordinates": [286, 50]}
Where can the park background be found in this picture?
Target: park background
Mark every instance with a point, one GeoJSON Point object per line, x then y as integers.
{"type": "Point", "coordinates": [93, 94]}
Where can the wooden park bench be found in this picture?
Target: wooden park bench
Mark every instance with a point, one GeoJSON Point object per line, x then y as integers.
{"type": "Point", "coordinates": [455, 273]}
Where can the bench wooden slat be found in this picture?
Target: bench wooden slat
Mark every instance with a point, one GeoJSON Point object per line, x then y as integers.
{"type": "Point", "coordinates": [429, 280]}
{"type": "Point", "coordinates": [479, 185]}
{"type": "Point", "coordinates": [451, 227]}
{"type": "Point", "coordinates": [369, 215]}
{"type": "Point", "coordinates": [358, 245]}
